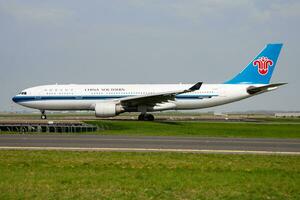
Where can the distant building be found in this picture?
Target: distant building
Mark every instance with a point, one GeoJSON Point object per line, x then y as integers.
{"type": "Point", "coordinates": [220, 114]}
{"type": "Point", "coordinates": [288, 114]}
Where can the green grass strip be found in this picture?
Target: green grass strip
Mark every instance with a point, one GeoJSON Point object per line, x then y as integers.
{"type": "Point", "coordinates": [113, 175]}
{"type": "Point", "coordinates": [210, 129]}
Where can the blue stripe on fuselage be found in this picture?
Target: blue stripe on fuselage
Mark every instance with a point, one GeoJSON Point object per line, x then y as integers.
{"type": "Point", "coordinates": [18, 99]}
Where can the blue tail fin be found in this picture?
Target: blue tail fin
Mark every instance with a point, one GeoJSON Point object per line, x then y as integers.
{"type": "Point", "coordinates": [260, 69]}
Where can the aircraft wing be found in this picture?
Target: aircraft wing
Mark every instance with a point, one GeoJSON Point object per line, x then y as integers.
{"type": "Point", "coordinates": [265, 88]}
{"type": "Point", "coordinates": [153, 99]}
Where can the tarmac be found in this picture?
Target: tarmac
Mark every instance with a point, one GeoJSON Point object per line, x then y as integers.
{"type": "Point", "coordinates": [150, 144]}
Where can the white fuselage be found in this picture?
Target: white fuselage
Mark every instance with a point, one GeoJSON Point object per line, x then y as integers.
{"type": "Point", "coordinates": [85, 97]}
{"type": "Point", "coordinates": [111, 100]}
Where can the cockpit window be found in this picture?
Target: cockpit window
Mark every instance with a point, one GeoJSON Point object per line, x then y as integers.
{"type": "Point", "coordinates": [23, 93]}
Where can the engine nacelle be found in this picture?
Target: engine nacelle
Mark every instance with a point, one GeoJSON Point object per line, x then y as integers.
{"type": "Point", "coordinates": [108, 109]}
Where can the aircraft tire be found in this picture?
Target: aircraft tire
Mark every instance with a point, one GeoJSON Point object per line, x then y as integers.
{"type": "Point", "coordinates": [146, 117]}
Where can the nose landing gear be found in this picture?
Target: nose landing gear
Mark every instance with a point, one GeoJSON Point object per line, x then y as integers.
{"type": "Point", "coordinates": [145, 117]}
{"type": "Point", "coordinates": [43, 115]}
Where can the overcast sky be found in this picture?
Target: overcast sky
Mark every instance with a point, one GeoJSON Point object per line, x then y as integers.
{"type": "Point", "coordinates": [147, 41]}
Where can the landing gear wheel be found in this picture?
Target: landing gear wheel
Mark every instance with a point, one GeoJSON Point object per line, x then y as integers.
{"type": "Point", "coordinates": [146, 117]}
{"type": "Point", "coordinates": [141, 117]}
{"type": "Point", "coordinates": [149, 117]}
{"type": "Point", "coordinates": [43, 116]}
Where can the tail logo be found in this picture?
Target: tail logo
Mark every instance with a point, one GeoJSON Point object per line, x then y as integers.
{"type": "Point", "coordinates": [263, 64]}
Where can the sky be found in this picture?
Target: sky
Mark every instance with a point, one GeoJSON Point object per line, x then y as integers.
{"type": "Point", "coordinates": [147, 41]}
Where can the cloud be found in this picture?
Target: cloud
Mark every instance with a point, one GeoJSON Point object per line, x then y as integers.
{"type": "Point", "coordinates": [198, 11]}
{"type": "Point", "coordinates": [192, 9]}
{"type": "Point", "coordinates": [287, 9]}
{"type": "Point", "coordinates": [34, 13]}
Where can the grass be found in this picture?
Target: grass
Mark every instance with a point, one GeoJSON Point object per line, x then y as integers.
{"type": "Point", "coordinates": [193, 129]}
{"type": "Point", "coordinates": [113, 175]}
{"type": "Point", "coordinates": [281, 119]}
{"type": "Point", "coordinates": [210, 129]}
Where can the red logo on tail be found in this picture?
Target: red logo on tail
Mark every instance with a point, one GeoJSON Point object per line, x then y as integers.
{"type": "Point", "coordinates": [263, 64]}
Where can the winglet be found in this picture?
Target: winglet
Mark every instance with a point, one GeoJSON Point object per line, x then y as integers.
{"type": "Point", "coordinates": [195, 87]}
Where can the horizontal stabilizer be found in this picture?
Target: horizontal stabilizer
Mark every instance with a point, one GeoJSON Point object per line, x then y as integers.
{"type": "Point", "coordinates": [265, 88]}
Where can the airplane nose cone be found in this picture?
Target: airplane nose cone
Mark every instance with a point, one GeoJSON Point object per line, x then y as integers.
{"type": "Point", "coordinates": [14, 99]}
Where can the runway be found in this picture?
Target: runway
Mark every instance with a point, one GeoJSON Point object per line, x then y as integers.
{"type": "Point", "coordinates": [143, 143]}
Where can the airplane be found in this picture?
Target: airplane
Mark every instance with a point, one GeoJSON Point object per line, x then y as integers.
{"type": "Point", "coordinates": [111, 100]}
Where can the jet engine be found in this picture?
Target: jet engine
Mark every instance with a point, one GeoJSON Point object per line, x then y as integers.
{"type": "Point", "coordinates": [108, 109]}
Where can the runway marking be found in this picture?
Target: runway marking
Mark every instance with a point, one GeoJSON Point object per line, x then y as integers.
{"type": "Point", "coordinates": [150, 150]}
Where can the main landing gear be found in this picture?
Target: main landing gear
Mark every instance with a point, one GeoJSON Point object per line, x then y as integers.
{"type": "Point", "coordinates": [146, 117]}
{"type": "Point", "coordinates": [43, 115]}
